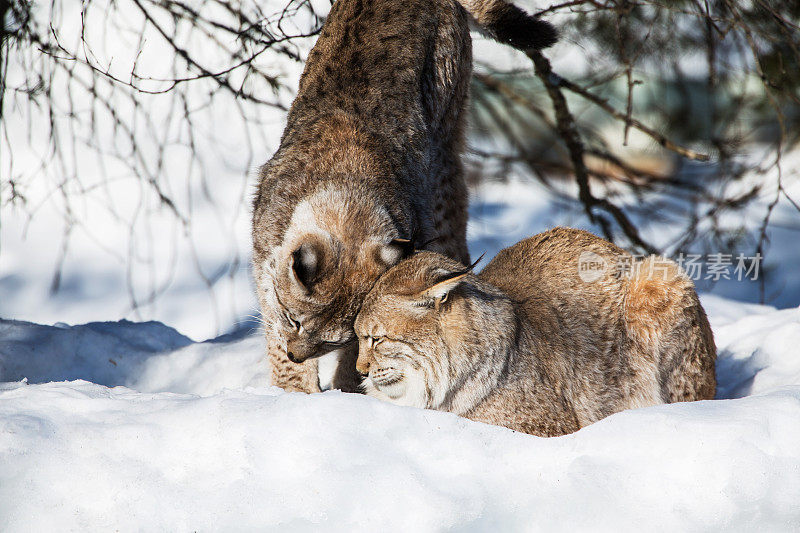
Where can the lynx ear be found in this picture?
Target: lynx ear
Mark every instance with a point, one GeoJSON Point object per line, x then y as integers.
{"type": "Point", "coordinates": [446, 283]}
{"type": "Point", "coordinates": [441, 289]}
{"type": "Point", "coordinates": [304, 265]}
{"type": "Point", "coordinates": [398, 249]}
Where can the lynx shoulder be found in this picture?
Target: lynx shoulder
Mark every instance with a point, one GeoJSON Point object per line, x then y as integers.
{"type": "Point", "coordinates": [369, 161]}
{"type": "Point", "coordinates": [557, 332]}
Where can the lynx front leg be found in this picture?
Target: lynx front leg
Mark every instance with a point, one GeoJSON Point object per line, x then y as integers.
{"type": "Point", "coordinates": [347, 379]}
{"type": "Point", "coordinates": [292, 377]}
{"type": "Point", "coordinates": [337, 370]}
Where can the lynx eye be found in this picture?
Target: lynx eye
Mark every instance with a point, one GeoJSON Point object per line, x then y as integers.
{"type": "Point", "coordinates": [373, 341]}
{"type": "Point", "coordinates": [295, 324]}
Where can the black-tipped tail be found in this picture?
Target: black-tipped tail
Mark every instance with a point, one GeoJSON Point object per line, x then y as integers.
{"type": "Point", "coordinates": [513, 26]}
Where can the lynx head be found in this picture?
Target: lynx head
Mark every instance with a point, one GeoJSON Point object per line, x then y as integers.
{"type": "Point", "coordinates": [316, 280]}
{"type": "Point", "coordinates": [412, 328]}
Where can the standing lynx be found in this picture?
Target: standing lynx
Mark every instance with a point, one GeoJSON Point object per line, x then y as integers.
{"type": "Point", "coordinates": [368, 162]}
{"type": "Point", "coordinates": [534, 342]}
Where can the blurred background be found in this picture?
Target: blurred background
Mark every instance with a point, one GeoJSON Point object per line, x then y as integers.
{"type": "Point", "coordinates": [131, 132]}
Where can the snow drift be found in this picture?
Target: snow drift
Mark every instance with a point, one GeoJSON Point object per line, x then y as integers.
{"type": "Point", "coordinates": [197, 440]}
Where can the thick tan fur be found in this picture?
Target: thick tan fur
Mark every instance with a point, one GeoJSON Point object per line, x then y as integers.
{"type": "Point", "coordinates": [535, 342]}
{"type": "Point", "coordinates": [369, 159]}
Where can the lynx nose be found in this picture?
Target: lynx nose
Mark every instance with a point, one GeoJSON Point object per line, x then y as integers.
{"type": "Point", "coordinates": [362, 365]}
{"type": "Point", "coordinates": [299, 350]}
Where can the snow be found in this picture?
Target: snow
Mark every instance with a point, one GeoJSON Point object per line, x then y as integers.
{"type": "Point", "coordinates": [180, 435]}
{"type": "Point", "coordinates": [147, 356]}
{"type": "Point", "coordinates": [135, 426]}
{"type": "Point", "coordinates": [759, 353]}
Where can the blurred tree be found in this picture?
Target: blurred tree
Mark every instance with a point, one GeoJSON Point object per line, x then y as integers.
{"type": "Point", "coordinates": [131, 104]}
{"type": "Point", "coordinates": [684, 108]}
{"type": "Point", "coordinates": [713, 85]}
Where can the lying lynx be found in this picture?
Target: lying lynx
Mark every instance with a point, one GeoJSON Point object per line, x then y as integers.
{"type": "Point", "coordinates": [536, 342]}
{"type": "Point", "coordinates": [369, 160]}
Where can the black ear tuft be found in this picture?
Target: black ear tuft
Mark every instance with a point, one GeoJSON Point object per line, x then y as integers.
{"type": "Point", "coordinates": [305, 264]}
{"type": "Point", "coordinates": [475, 263]}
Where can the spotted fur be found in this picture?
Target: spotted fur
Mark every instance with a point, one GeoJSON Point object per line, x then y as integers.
{"type": "Point", "coordinates": [533, 343]}
{"type": "Point", "coordinates": [369, 159]}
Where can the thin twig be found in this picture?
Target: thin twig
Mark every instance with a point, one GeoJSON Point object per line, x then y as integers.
{"type": "Point", "coordinates": [569, 134]}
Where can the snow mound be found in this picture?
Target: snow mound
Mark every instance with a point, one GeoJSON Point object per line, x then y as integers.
{"type": "Point", "coordinates": [758, 353]}
{"type": "Point", "coordinates": [146, 356]}
{"type": "Point", "coordinates": [197, 440]}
